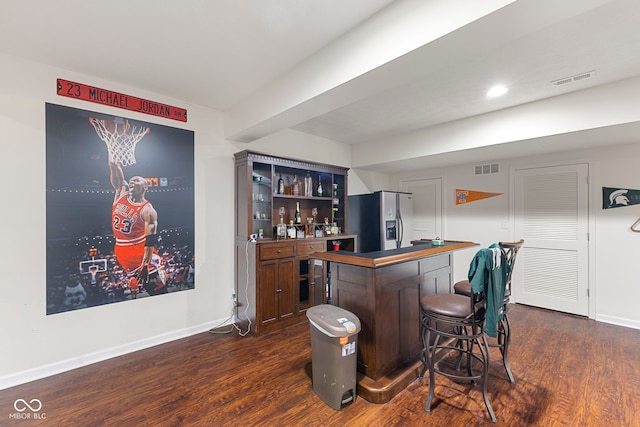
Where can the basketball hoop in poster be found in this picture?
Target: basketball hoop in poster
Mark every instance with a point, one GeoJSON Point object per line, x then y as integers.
{"type": "Point", "coordinates": [468, 196]}
{"type": "Point", "coordinates": [120, 137]}
{"type": "Point", "coordinates": [93, 267]}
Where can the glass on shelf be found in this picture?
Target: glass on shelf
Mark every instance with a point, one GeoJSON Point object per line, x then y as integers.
{"type": "Point", "coordinates": [261, 216]}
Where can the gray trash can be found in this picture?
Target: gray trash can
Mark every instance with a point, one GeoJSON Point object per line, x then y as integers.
{"type": "Point", "coordinates": [334, 334]}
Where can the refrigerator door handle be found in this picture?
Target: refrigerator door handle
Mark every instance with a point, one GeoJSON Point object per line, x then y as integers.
{"type": "Point", "coordinates": [400, 225]}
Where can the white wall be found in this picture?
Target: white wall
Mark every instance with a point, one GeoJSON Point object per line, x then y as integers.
{"type": "Point", "coordinates": [614, 286]}
{"type": "Point", "coordinates": [42, 345]}
{"type": "Point", "coordinates": [364, 181]}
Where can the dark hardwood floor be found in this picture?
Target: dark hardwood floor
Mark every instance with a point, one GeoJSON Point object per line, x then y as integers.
{"type": "Point", "coordinates": [570, 371]}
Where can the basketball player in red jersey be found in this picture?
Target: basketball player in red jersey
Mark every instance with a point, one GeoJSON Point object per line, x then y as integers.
{"type": "Point", "coordinates": [135, 225]}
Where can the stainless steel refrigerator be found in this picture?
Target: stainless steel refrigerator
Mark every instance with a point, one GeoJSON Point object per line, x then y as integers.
{"type": "Point", "coordinates": [382, 220]}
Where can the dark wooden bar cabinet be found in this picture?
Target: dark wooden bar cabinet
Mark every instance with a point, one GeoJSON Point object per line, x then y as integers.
{"type": "Point", "coordinates": [383, 289]}
{"type": "Point", "coordinates": [275, 281]}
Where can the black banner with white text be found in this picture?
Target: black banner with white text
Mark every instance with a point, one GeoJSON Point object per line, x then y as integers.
{"type": "Point", "coordinates": [616, 197]}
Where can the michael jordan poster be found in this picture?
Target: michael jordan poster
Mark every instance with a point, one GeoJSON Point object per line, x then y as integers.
{"type": "Point", "coordinates": [120, 209]}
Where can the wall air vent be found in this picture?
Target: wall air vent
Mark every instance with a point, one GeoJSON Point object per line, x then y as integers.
{"type": "Point", "coordinates": [573, 79]}
{"type": "Point", "coordinates": [490, 169]}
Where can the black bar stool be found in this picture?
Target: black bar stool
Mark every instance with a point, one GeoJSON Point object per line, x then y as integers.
{"type": "Point", "coordinates": [463, 287]}
{"type": "Point", "coordinates": [451, 322]}
{"type": "Point", "coordinates": [455, 323]}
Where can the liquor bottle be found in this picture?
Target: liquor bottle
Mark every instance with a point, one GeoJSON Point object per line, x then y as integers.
{"type": "Point", "coordinates": [320, 190]}
{"type": "Point", "coordinates": [288, 190]}
{"type": "Point", "coordinates": [280, 185]}
{"type": "Point", "coordinates": [281, 230]}
{"type": "Point", "coordinates": [296, 186]}
{"type": "Point", "coordinates": [298, 218]}
{"type": "Point", "coordinates": [308, 185]}
{"type": "Point", "coordinates": [308, 229]}
{"type": "Point", "coordinates": [291, 230]}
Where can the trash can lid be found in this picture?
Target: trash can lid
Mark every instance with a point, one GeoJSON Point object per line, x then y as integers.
{"type": "Point", "coordinates": [333, 321]}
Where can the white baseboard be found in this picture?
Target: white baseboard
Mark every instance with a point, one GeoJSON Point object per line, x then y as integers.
{"type": "Point", "coordinates": [618, 321]}
{"type": "Point", "coordinates": [29, 375]}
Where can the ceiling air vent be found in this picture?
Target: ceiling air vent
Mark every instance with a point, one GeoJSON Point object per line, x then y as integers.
{"type": "Point", "coordinates": [490, 169]}
{"type": "Point", "coordinates": [573, 79]}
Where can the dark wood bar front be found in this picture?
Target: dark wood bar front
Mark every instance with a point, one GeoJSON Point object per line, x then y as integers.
{"type": "Point", "coordinates": [383, 289]}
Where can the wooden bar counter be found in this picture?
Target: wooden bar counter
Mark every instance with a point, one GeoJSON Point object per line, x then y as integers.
{"type": "Point", "coordinates": [383, 289]}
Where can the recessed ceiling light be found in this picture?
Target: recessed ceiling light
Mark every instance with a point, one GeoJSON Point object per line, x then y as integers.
{"type": "Point", "coordinates": [497, 91]}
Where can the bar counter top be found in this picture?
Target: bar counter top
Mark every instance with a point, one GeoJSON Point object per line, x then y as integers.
{"type": "Point", "coordinates": [421, 249]}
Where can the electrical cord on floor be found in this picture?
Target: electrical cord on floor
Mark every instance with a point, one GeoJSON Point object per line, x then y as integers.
{"type": "Point", "coordinates": [234, 325]}
{"type": "Point", "coordinates": [215, 331]}
{"type": "Point", "coordinates": [246, 292]}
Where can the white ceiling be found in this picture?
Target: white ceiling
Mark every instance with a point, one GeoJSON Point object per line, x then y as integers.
{"type": "Point", "coordinates": [352, 71]}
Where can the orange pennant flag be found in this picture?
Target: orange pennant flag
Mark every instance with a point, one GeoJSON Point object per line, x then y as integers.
{"type": "Point", "coordinates": [468, 196]}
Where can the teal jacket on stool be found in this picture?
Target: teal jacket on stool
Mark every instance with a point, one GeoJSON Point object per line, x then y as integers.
{"type": "Point", "coordinates": [488, 271]}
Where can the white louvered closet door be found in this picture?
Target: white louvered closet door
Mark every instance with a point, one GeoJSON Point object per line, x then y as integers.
{"type": "Point", "coordinates": [551, 215]}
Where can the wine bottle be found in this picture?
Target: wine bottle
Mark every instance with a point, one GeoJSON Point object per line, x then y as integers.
{"type": "Point", "coordinates": [280, 185]}
{"type": "Point", "coordinates": [320, 190]}
{"type": "Point", "coordinates": [298, 218]}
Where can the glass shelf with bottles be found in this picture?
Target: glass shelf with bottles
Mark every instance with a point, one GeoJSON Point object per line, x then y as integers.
{"type": "Point", "coordinates": [261, 184]}
{"type": "Point", "coordinates": [338, 198]}
{"type": "Point", "coordinates": [298, 183]}
{"type": "Point", "coordinates": [261, 200]}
